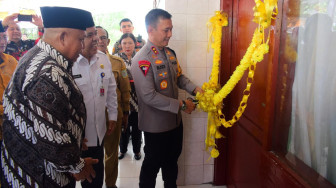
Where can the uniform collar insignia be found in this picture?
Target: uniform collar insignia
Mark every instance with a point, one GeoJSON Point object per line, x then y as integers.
{"type": "Point", "coordinates": [154, 50]}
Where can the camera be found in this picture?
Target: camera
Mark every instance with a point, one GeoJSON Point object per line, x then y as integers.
{"type": "Point", "coordinates": [24, 17]}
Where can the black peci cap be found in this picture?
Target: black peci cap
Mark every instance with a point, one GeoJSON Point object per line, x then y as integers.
{"type": "Point", "coordinates": [1, 28]}
{"type": "Point", "coordinates": [66, 17]}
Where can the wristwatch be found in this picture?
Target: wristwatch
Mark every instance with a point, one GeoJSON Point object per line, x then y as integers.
{"type": "Point", "coordinates": [184, 106]}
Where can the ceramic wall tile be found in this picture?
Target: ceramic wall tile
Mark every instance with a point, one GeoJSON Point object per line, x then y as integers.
{"type": "Point", "coordinates": [198, 6]}
{"type": "Point", "coordinates": [193, 153]}
{"type": "Point", "coordinates": [196, 54]}
{"type": "Point", "coordinates": [194, 174]}
{"type": "Point", "coordinates": [208, 172]}
{"type": "Point", "coordinates": [197, 75]}
{"type": "Point", "coordinates": [179, 27]}
{"type": "Point", "coordinates": [181, 175]}
{"type": "Point", "coordinates": [194, 132]}
{"type": "Point", "coordinates": [176, 6]}
{"type": "Point", "coordinates": [197, 28]}
{"type": "Point", "coordinates": [214, 5]}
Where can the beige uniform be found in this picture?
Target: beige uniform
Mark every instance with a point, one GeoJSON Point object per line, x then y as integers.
{"type": "Point", "coordinates": [111, 142]}
{"type": "Point", "coordinates": [157, 76]}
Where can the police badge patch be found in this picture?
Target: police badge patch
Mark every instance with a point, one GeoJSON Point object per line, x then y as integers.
{"type": "Point", "coordinates": [144, 66]}
{"type": "Point", "coordinates": [163, 84]}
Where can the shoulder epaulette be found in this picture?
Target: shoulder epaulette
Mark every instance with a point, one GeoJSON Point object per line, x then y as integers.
{"type": "Point", "coordinates": [117, 58]}
{"type": "Point", "coordinates": [172, 51]}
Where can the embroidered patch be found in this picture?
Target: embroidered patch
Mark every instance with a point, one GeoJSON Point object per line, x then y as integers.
{"type": "Point", "coordinates": [77, 76]}
{"type": "Point", "coordinates": [168, 52]}
{"type": "Point", "coordinates": [163, 74]}
{"type": "Point", "coordinates": [154, 56]}
{"type": "Point", "coordinates": [144, 66]}
{"type": "Point", "coordinates": [124, 73]}
{"type": "Point", "coordinates": [158, 62]}
{"type": "Point", "coordinates": [172, 58]}
{"type": "Point", "coordinates": [164, 84]}
{"type": "Point", "coordinates": [155, 50]}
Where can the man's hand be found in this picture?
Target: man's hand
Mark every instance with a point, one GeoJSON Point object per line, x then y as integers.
{"type": "Point", "coordinates": [112, 126]}
{"type": "Point", "coordinates": [9, 20]}
{"type": "Point", "coordinates": [37, 20]}
{"type": "Point", "coordinates": [124, 121]}
{"type": "Point", "coordinates": [87, 171]}
{"type": "Point", "coordinates": [198, 90]}
{"type": "Point", "coordinates": [84, 146]}
{"type": "Point", "coordinates": [190, 106]}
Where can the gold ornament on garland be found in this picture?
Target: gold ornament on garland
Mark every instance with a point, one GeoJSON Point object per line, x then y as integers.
{"type": "Point", "coordinates": [211, 100]}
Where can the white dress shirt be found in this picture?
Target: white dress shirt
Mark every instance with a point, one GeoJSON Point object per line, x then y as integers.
{"type": "Point", "coordinates": [91, 77]}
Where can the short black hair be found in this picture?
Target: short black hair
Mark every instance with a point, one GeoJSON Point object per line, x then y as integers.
{"type": "Point", "coordinates": [125, 20]}
{"type": "Point", "coordinates": [104, 29]}
{"type": "Point", "coordinates": [126, 35]}
{"type": "Point", "coordinates": [154, 15]}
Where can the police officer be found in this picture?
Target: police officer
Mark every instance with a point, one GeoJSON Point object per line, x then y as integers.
{"type": "Point", "coordinates": [126, 26]}
{"type": "Point", "coordinates": [157, 77]}
{"type": "Point", "coordinates": [123, 91]}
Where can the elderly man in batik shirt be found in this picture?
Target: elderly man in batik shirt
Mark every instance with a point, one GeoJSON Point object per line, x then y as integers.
{"type": "Point", "coordinates": [45, 114]}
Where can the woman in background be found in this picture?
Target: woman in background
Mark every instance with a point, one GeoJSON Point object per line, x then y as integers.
{"type": "Point", "coordinates": [128, 42]}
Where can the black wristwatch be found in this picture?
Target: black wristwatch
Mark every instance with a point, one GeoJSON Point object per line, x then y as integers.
{"type": "Point", "coordinates": [184, 106]}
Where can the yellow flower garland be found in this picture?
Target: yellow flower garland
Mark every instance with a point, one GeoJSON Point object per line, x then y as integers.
{"type": "Point", "coordinates": [211, 100]}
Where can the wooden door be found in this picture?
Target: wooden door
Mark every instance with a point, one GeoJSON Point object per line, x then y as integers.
{"type": "Point", "coordinates": [253, 152]}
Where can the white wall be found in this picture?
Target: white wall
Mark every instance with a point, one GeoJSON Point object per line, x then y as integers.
{"type": "Point", "coordinates": [190, 40]}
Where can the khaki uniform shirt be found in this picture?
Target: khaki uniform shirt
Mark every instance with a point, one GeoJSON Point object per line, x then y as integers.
{"type": "Point", "coordinates": [123, 85]}
{"type": "Point", "coordinates": [157, 77]}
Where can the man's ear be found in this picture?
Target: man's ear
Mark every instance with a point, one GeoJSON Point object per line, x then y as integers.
{"type": "Point", "coordinates": [150, 29]}
{"type": "Point", "coordinates": [62, 38]}
{"type": "Point", "coordinates": [108, 42]}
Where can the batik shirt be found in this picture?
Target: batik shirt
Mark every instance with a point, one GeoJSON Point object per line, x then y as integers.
{"type": "Point", "coordinates": [44, 119]}
{"type": "Point", "coordinates": [18, 51]}
{"type": "Point", "coordinates": [133, 99]}
{"type": "Point", "coordinates": [7, 66]}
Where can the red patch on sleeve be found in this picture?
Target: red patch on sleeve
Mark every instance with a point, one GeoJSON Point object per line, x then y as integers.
{"type": "Point", "coordinates": [144, 66]}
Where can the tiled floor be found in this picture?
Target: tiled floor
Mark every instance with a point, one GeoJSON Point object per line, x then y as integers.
{"type": "Point", "coordinates": [129, 170]}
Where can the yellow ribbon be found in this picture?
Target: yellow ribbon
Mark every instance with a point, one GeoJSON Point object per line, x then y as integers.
{"type": "Point", "coordinates": [211, 100]}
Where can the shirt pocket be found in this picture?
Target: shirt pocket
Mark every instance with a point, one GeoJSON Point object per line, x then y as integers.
{"type": "Point", "coordinates": [103, 81]}
{"type": "Point", "coordinates": [82, 84]}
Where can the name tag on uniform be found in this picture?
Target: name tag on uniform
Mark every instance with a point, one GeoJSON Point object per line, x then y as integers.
{"type": "Point", "coordinates": [160, 67]}
{"type": "Point", "coordinates": [77, 76]}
